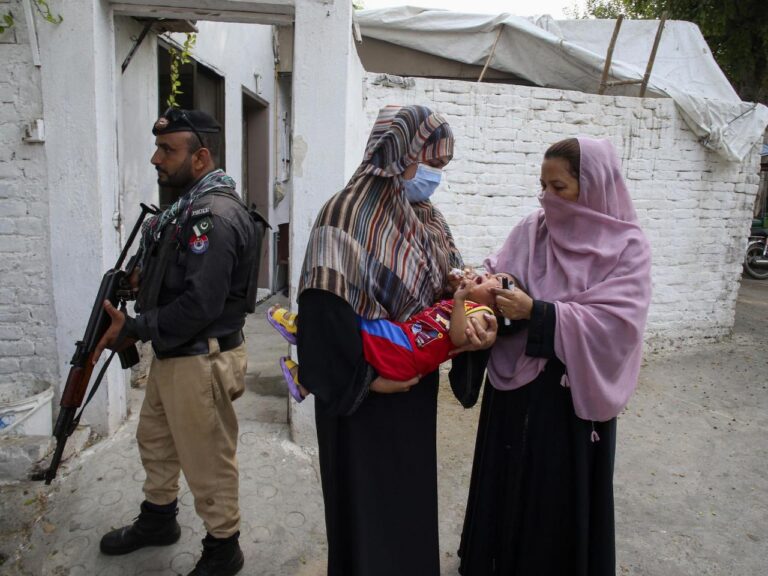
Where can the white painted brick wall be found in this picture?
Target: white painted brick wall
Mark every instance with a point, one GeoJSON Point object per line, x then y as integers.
{"type": "Point", "coordinates": [695, 207]}
{"type": "Point", "coordinates": [27, 324]}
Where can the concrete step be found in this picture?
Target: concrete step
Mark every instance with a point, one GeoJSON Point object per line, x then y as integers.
{"type": "Point", "coordinates": [265, 409]}
{"type": "Point", "coordinates": [22, 457]}
{"type": "Point", "coordinates": [20, 454]}
{"type": "Point", "coordinates": [268, 385]}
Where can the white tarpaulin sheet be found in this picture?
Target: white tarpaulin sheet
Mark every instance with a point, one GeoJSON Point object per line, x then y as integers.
{"type": "Point", "coordinates": [570, 55]}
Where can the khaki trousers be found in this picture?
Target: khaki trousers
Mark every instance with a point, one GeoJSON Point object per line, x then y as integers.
{"type": "Point", "coordinates": [187, 422]}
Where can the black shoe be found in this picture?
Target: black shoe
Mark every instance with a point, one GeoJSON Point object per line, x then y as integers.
{"type": "Point", "coordinates": [155, 526]}
{"type": "Point", "coordinates": [221, 557]}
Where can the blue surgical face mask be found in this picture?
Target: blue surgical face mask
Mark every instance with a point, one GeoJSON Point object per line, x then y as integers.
{"type": "Point", "coordinates": [423, 184]}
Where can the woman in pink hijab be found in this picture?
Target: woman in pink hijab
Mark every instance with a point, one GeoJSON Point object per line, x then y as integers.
{"type": "Point", "coordinates": [541, 494]}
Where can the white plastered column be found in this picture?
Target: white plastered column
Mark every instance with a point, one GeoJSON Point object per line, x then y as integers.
{"type": "Point", "coordinates": [323, 108]}
{"type": "Point", "coordinates": [81, 147]}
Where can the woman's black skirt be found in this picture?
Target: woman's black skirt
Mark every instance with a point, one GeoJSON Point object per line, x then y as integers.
{"type": "Point", "coordinates": [379, 475]}
{"type": "Point", "coordinates": [541, 493]}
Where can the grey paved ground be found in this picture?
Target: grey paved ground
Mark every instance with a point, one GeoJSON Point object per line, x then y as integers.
{"type": "Point", "coordinates": [282, 530]}
{"type": "Point", "coordinates": [691, 476]}
{"type": "Point", "coordinates": [691, 484]}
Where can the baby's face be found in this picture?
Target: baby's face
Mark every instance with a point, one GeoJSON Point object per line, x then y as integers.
{"type": "Point", "coordinates": [480, 292]}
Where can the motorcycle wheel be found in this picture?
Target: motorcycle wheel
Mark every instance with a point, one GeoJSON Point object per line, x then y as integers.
{"type": "Point", "coordinates": [754, 251]}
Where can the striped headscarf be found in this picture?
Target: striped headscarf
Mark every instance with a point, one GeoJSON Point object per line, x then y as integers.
{"type": "Point", "coordinates": [369, 246]}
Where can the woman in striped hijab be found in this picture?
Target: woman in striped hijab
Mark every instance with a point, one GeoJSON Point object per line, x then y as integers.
{"type": "Point", "coordinates": [373, 254]}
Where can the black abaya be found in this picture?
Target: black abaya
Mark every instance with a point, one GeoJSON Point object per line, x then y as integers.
{"type": "Point", "coordinates": [377, 452]}
{"type": "Point", "coordinates": [541, 493]}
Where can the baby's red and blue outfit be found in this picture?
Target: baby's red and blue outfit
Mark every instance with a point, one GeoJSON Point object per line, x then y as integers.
{"type": "Point", "coordinates": [403, 350]}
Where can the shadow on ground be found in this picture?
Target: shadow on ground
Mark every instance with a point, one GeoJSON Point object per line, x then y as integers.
{"type": "Point", "coordinates": [691, 475]}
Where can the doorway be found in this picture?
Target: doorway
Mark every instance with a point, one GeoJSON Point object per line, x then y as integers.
{"type": "Point", "coordinates": [256, 176]}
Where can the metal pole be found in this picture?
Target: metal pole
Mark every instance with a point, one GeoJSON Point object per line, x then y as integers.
{"type": "Point", "coordinates": [656, 42]}
{"type": "Point", "coordinates": [609, 56]}
{"type": "Point", "coordinates": [135, 46]}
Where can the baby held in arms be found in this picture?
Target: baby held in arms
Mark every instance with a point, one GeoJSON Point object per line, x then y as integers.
{"type": "Point", "coordinates": [401, 351]}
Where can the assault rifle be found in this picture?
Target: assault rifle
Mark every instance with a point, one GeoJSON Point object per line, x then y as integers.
{"type": "Point", "coordinates": [115, 288]}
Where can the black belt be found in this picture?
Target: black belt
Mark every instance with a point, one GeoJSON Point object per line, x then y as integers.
{"type": "Point", "coordinates": [200, 346]}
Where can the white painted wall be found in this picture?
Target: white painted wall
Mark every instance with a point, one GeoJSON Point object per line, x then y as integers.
{"type": "Point", "coordinates": [81, 147]}
{"type": "Point", "coordinates": [239, 52]}
{"type": "Point", "coordinates": [137, 94]}
{"type": "Point", "coordinates": [323, 109]}
{"type": "Point", "coordinates": [356, 137]}
{"type": "Point", "coordinates": [27, 320]}
{"type": "Point", "coordinates": [46, 303]}
{"type": "Point", "coordinates": [282, 211]}
{"type": "Point", "coordinates": [695, 207]}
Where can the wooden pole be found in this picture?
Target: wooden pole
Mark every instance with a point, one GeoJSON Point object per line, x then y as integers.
{"type": "Point", "coordinates": [493, 51]}
{"type": "Point", "coordinates": [623, 82]}
{"type": "Point", "coordinates": [656, 42]}
{"type": "Point", "coordinates": [609, 56]}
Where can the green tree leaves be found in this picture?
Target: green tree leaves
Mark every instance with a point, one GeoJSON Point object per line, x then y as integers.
{"type": "Point", "coordinates": [177, 59]}
{"type": "Point", "coordinates": [6, 22]}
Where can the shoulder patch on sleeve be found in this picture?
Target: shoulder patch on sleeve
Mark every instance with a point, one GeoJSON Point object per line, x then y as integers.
{"type": "Point", "coordinates": [197, 213]}
{"type": "Point", "coordinates": [199, 244]}
{"type": "Point", "coordinates": [203, 226]}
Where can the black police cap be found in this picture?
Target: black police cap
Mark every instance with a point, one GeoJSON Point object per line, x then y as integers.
{"type": "Point", "coordinates": [179, 120]}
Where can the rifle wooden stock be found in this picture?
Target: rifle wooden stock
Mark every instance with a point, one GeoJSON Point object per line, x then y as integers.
{"type": "Point", "coordinates": [77, 384]}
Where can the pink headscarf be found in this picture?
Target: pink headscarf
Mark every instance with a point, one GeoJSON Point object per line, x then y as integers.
{"type": "Point", "coordinates": [593, 261]}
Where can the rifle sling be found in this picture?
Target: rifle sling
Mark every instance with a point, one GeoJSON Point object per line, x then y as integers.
{"type": "Point", "coordinates": [94, 387]}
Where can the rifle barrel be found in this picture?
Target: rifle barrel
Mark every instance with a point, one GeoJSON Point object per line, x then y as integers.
{"type": "Point", "coordinates": [61, 432]}
{"type": "Point", "coordinates": [136, 227]}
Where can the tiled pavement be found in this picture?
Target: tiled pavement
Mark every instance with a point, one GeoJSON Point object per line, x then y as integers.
{"type": "Point", "coordinates": [282, 531]}
{"type": "Point", "coordinates": [691, 475]}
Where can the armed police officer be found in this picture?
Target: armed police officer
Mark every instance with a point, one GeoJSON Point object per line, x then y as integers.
{"type": "Point", "coordinates": [198, 262]}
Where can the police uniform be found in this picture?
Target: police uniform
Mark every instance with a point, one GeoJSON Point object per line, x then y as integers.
{"type": "Point", "coordinates": [197, 283]}
{"type": "Point", "coordinates": [193, 301]}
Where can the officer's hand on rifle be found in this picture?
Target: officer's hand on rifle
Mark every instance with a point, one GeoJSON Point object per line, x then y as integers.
{"type": "Point", "coordinates": [114, 338]}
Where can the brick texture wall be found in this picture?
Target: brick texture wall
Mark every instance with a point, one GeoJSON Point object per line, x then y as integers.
{"type": "Point", "coordinates": [27, 322]}
{"type": "Point", "coordinates": [694, 206]}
